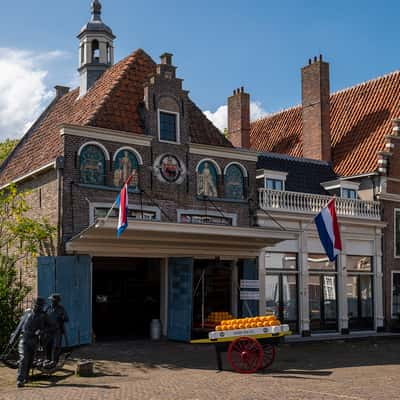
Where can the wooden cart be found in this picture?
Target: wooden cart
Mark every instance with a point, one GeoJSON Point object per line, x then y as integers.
{"type": "Point", "coordinates": [246, 354]}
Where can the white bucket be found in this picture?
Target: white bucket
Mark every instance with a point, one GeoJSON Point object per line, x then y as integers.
{"type": "Point", "coordinates": [155, 329]}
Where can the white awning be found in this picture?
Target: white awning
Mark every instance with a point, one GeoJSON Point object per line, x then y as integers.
{"type": "Point", "coordinates": [161, 239]}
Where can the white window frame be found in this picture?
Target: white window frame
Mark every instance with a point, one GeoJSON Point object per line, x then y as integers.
{"type": "Point", "coordinates": [178, 128]}
{"type": "Point", "coordinates": [395, 211]}
{"type": "Point", "coordinates": [92, 143]}
{"type": "Point", "coordinates": [271, 174]}
{"type": "Point", "coordinates": [391, 291]}
{"type": "Point", "coordinates": [342, 184]}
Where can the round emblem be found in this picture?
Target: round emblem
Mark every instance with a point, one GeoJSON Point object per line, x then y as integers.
{"type": "Point", "coordinates": [169, 168]}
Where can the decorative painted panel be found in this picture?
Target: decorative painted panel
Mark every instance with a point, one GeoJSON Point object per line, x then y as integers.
{"type": "Point", "coordinates": [234, 183]}
{"type": "Point", "coordinates": [207, 179]}
{"type": "Point", "coordinates": [125, 164]}
{"type": "Point", "coordinates": [92, 165]}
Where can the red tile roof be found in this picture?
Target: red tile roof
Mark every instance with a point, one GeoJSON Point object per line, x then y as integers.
{"type": "Point", "coordinates": [360, 119]}
{"type": "Point", "coordinates": [112, 103]}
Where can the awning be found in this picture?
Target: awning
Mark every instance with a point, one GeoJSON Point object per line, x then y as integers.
{"type": "Point", "coordinates": [161, 239]}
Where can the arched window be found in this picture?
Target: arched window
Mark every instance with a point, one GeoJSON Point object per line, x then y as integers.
{"type": "Point", "coordinates": [108, 53]}
{"type": "Point", "coordinates": [234, 182]}
{"type": "Point", "coordinates": [92, 165]}
{"type": "Point", "coordinates": [126, 163]}
{"type": "Point", "coordinates": [95, 51]}
{"type": "Point", "coordinates": [207, 179]}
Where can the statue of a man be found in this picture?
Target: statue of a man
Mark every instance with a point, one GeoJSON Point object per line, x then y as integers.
{"type": "Point", "coordinates": [207, 186]}
{"type": "Point", "coordinates": [125, 166]}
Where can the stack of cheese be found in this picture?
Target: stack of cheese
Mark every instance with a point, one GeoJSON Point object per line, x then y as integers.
{"type": "Point", "coordinates": [247, 323]}
{"type": "Point", "coordinates": [216, 317]}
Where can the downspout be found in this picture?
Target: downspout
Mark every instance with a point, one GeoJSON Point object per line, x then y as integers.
{"type": "Point", "coordinates": [60, 187]}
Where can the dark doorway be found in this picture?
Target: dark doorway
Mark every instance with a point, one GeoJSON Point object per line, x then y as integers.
{"type": "Point", "coordinates": [126, 296]}
{"type": "Point", "coordinates": [212, 281]}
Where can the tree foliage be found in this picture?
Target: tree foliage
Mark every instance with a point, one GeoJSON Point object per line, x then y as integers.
{"type": "Point", "coordinates": [6, 147]}
{"type": "Point", "coordinates": [22, 238]}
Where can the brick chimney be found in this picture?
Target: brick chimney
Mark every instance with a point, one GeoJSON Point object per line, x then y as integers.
{"type": "Point", "coordinates": [316, 110]}
{"type": "Point", "coordinates": [239, 118]}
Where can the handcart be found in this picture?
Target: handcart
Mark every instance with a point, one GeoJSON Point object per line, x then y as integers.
{"type": "Point", "coordinates": [248, 351]}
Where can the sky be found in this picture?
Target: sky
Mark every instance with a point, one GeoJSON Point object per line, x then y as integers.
{"type": "Point", "coordinates": [218, 45]}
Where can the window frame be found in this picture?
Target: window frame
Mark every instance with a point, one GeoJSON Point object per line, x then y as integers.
{"type": "Point", "coordinates": [391, 291]}
{"type": "Point", "coordinates": [177, 126]}
{"type": "Point", "coordinates": [273, 175]}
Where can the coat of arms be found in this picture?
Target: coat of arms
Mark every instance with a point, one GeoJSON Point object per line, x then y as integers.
{"type": "Point", "coordinates": [169, 168]}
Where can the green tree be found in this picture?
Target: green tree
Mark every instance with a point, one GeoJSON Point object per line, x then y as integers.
{"type": "Point", "coordinates": [6, 147]}
{"type": "Point", "coordinates": [22, 238]}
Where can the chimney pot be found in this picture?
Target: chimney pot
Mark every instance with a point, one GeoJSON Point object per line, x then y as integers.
{"type": "Point", "coordinates": [166, 58]}
{"type": "Point", "coordinates": [315, 59]}
{"type": "Point", "coordinates": [309, 61]}
{"type": "Point", "coordinates": [61, 90]}
{"type": "Point", "coordinates": [320, 57]}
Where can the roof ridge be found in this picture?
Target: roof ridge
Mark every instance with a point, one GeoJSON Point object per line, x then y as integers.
{"type": "Point", "coordinates": [357, 85]}
{"type": "Point", "coordinates": [294, 158]}
{"type": "Point", "coordinates": [389, 74]}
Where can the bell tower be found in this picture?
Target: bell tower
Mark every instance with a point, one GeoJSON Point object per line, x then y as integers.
{"type": "Point", "coordinates": [96, 50]}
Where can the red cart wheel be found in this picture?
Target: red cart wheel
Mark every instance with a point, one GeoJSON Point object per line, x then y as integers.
{"type": "Point", "coordinates": [269, 355]}
{"type": "Point", "coordinates": [245, 355]}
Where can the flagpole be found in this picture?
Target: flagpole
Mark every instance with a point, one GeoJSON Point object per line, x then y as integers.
{"type": "Point", "coordinates": [115, 202]}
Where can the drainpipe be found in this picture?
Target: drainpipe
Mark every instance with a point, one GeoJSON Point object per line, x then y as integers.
{"type": "Point", "coordinates": [60, 186]}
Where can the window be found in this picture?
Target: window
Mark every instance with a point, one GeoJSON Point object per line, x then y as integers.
{"type": "Point", "coordinates": [168, 128]}
{"type": "Point", "coordinates": [95, 51]}
{"type": "Point", "coordinates": [397, 231]}
{"type": "Point", "coordinates": [234, 182]}
{"type": "Point", "coordinates": [396, 294]}
{"type": "Point", "coordinates": [281, 287]}
{"type": "Point", "coordinates": [269, 179]}
{"type": "Point", "coordinates": [349, 193]}
{"type": "Point", "coordinates": [275, 184]}
{"type": "Point", "coordinates": [92, 165]}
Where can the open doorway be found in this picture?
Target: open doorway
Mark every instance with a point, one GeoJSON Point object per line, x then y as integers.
{"type": "Point", "coordinates": [212, 292]}
{"type": "Point", "coordinates": [126, 296]}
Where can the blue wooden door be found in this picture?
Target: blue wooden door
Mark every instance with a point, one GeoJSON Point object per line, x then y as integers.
{"type": "Point", "coordinates": [249, 271]}
{"type": "Point", "coordinates": [70, 276]}
{"type": "Point", "coordinates": [180, 285]}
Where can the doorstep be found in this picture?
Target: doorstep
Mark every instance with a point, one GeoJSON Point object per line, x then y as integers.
{"type": "Point", "coordinates": [355, 335]}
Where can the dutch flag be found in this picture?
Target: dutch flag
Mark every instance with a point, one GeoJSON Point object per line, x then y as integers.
{"type": "Point", "coordinates": [328, 229]}
{"type": "Point", "coordinates": [122, 203]}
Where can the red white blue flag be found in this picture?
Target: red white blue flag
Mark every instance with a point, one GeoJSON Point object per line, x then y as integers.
{"type": "Point", "coordinates": [328, 229]}
{"type": "Point", "coordinates": [122, 203]}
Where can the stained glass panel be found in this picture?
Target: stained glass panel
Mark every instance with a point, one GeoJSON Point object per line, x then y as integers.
{"type": "Point", "coordinates": [125, 164]}
{"type": "Point", "coordinates": [92, 165]}
{"type": "Point", "coordinates": [234, 183]}
{"type": "Point", "coordinates": [207, 180]}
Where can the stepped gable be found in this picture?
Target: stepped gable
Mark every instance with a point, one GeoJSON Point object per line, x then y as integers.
{"type": "Point", "coordinates": [360, 119]}
{"type": "Point", "coordinates": [112, 102]}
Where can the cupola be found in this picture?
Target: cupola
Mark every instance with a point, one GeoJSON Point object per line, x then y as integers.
{"type": "Point", "coordinates": [96, 50]}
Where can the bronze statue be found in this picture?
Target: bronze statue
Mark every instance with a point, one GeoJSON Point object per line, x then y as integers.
{"type": "Point", "coordinates": [32, 330]}
{"type": "Point", "coordinates": [59, 317]}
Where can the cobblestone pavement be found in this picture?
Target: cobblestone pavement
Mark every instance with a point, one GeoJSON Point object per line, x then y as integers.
{"type": "Point", "coordinates": [173, 371]}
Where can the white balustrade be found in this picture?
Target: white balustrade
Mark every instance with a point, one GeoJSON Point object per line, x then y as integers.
{"type": "Point", "coordinates": [313, 203]}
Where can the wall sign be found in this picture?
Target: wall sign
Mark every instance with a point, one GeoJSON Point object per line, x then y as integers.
{"type": "Point", "coordinates": [246, 295]}
{"type": "Point", "coordinates": [249, 284]}
{"type": "Point", "coordinates": [169, 168]}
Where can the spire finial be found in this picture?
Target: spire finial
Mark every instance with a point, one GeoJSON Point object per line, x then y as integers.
{"type": "Point", "coordinates": [96, 10]}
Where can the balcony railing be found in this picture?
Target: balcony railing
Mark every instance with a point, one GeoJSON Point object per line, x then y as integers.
{"type": "Point", "coordinates": [296, 202]}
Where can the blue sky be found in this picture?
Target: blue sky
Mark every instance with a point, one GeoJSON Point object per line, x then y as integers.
{"type": "Point", "coordinates": [218, 45]}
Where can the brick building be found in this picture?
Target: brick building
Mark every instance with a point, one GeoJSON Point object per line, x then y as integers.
{"type": "Point", "coordinates": [191, 235]}
{"type": "Point", "coordinates": [355, 132]}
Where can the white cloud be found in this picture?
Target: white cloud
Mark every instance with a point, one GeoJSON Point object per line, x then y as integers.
{"type": "Point", "coordinates": [220, 117]}
{"type": "Point", "coordinates": [23, 88]}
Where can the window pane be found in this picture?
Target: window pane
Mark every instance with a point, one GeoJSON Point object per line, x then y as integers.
{"type": "Point", "coordinates": [330, 303]}
{"type": "Point", "coordinates": [272, 294]}
{"type": "Point", "coordinates": [366, 296]}
{"type": "Point", "coordinates": [168, 127]}
{"type": "Point", "coordinates": [281, 261]}
{"type": "Point", "coordinates": [278, 185]}
{"type": "Point", "coordinates": [396, 295]}
{"type": "Point", "coordinates": [359, 263]}
{"type": "Point", "coordinates": [289, 287]}
{"type": "Point", "coordinates": [314, 289]}
{"type": "Point", "coordinates": [320, 262]}
{"type": "Point", "coordinates": [352, 296]}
